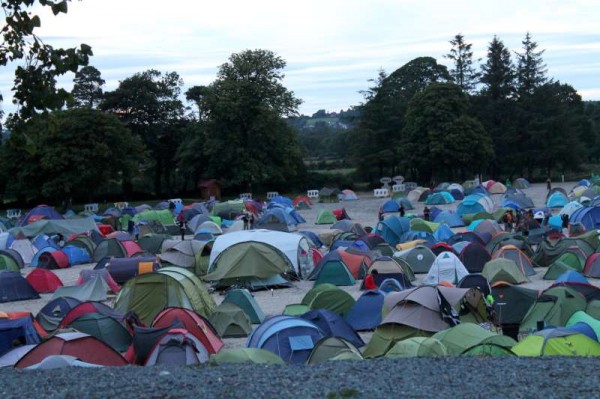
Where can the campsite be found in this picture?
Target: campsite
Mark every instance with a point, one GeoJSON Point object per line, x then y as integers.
{"type": "Point", "coordinates": [291, 291]}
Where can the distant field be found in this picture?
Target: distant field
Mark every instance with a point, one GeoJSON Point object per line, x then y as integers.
{"type": "Point", "coordinates": [341, 171]}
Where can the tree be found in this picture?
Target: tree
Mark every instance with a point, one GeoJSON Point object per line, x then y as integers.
{"type": "Point", "coordinates": [87, 89]}
{"type": "Point", "coordinates": [247, 140]}
{"type": "Point", "coordinates": [376, 149]}
{"type": "Point", "coordinates": [464, 73]}
{"type": "Point", "coordinates": [498, 72]}
{"type": "Point", "coordinates": [148, 104]}
{"type": "Point", "coordinates": [531, 70]}
{"type": "Point", "coordinates": [72, 154]}
{"type": "Point", "coordinates": [34, 87]}
{"type": "Point", "coordinates": [440, 139]}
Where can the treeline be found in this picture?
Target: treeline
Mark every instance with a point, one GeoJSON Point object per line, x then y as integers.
{"type": "Point", "coordinates": [505, 118]}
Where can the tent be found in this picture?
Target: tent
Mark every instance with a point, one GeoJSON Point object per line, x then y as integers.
{"type": "Point", "coordinates": [109, 247]}
{"type": "Point", "coordinates": [194, 323]}
{"type": "Point", "coordinates": [511, 303]}
{"type": "Point", "coordinates": [86, 308]}
{"type": "Point", "coordinates": [25, 248]}
{"type": "Point", "coordinates": [177, 347]}
{"type": "Point", "coordinates": [14, 287]}
{"type": "Point", "coordinates": [181, 252]}
{"type": "Point", "coordinates": [326, 216]}
{"type": "Point", "coordinates": [124, 269]}
{"type": "Point", "coordinates": [417, 347]}
{"type": "Point", "coordinates": [451, 218]}
{"type": "Point", "coordinates": [513, 253]}
{"type": "Point", "coordinates": [7, 262]}
{"type": "Point", "coordinates": [38, 213]}
{"type": "Point", "coordinates": [333, 325]}
{"type": "Point", "coordinates": [521, 183]}
{"type": "Point", "coordinates": [332, 271]}
{"type": "Point", "coordinates": [392, 229]}
{"type": "Point", "coordinates": [333, 348]}
{"type": "Point", "coordinates": [53, 260]}
{"type": "Point", "coordinates": [105, 328]}
{"type": "Point", "coordinates": [76, 255]}
{"type": "Point", "coordinates": [82, 346]}
{"type": "Point", "coordinates": [348, 195]}
{"type": "Point", "coordinates": [592, 266]}
{"type": "Point", "coordinates": [504, 270]}
{"type": "Point", "coordinates": [365, 314]}
{"type": "Point", "coordinates": [93, 290]}
{"type": "Point", "coordinates": [253, 264]}
{"type": "Point", "coordinates": [553, 307]}
{"type": "Point", "coordinates": [328, 296]}
{"type": "Point", "coordinates": [291, 338]}
{"type": "Point", "coordinates": [21, 329]}
{"type": "Point", "coordinates": [246, 355]}
{"type": "Point", "coordinates": [439, 198]}
{"type": "Point", "coordinates": [277, 219]}
{"type": "Point", "coordinates": [295, 247]}
{"type": "Point", "coordinates": [557, 342]}
{"type": "Point", "coordinates": [568, 261]}
{"type": "Point", "coordinates": [149, 293]}
{"type": "Point", "coordinates": [44, 281]}
{"type": "Point", "coordinates": [445, 267]}
{"type": "Point", "coordinates": [244, 299]}
{"type": "Point", "coordinates": [475, 203]}
{"type": "Point", "coordinates": [54, 311]}
{"type": "Point", "coordinates": [557, 200]}
{"type": "Point", "coordinates": [474, 256]}
{"type": "Point", "coordinates": [86, 275]}
{"type": "Point", "coordinates": [389, 268]}
{"type": "Point", "coordinates": [464, 336]}
{"type": "Point", "coordinates": [164, 216]}
{"type": "Point", "coordinates": [420, 258]}
{"type": "Point", "coordinates": [588, 216]}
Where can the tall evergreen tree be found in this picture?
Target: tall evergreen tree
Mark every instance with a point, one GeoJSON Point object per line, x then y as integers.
{"type": "Point", "coordinates": [87, 89]}
{"type": "Point", "coordinates": [531, 70]}
{"type": "Point", "coordinates": [464, 73]}
{"type": "Point", "coordinates": [498, 76]}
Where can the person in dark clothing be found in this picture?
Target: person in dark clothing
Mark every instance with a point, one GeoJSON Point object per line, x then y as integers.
{"type": "Point", "coordinates": [246, 220]}
{"type": "Point", "coordinates": [130, 225]}
{"type": "Point", "coordinates": [549, 184]}
{"type": "Point", "coordinates": [181, 222]}
{"type": "Point", "coordinates": [426, 213]}
{"type": "Point", "coordinates": [402, 210]}
{"type": "Point", "coordinates": [380, 214]}
{"type": "Point", "coordinates": [565, 221]}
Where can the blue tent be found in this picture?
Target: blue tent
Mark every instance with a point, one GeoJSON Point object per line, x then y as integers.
{"type": "Point", "coordinates": [557, 200]}
{"type": "Point", "coordinates": [21, 329]}
{"type": "Point", "coordinates": [365, 314]}
{"type": "Point", "coordinates": [470, 205]}
{"type": "Point", "coordinates": [392, 228]}
{"type": "Point", "coordinates": [333, 325]}
{"type": "Point", "coordinates": [390, 206]}
{"type": "Point", "coordinates": [312, 237]}
{"type": "Point", "coordinates": [584, 183]}
{"type": "Point", "coordinates": [277, 219]}
{"type": "Point", "coordinates": [452, 219]}
{"type": "Point", "coordinates": [418, 235]}
{"type": "Point", "coordinates": [588, 216]}
{"type": "Point", "coordinates": [457, 194]}
{"type": "Point", "coordinates": [340, 244]}
{"type": "Point", "coordinates": [290, 338]}
{"type": "Point", "coordinates": [283, 200]}
{"type": "Point", "coordinates": [39, 212]}
{"type": "Point", "coordinates": [77, 255]}
{"type": "Point", "coordinates": [42, 240]}
{"type": "Point", "coordinates": [36, 258]}
{"type": "Point", "coordinates": [14, 287]}
{"type": "Point", "coordinates": [390, 285]}
{"type": "Point", "coordinates": [440, 198]}
{"type": "Point", "coordinates": [443, 232]}
{"type": "Point", "coordinates": [571, 276]}
{"type": "Point", "coordinates": [406, 202]}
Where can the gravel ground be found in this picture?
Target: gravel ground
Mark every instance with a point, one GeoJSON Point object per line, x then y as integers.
{"type": "Point", "coordinates": [455, 377]}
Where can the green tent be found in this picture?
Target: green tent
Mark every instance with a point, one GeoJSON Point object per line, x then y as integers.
{"type": "Point", "coordinates": [417, 347]}
{"type": "Point", "coordinates": [149, 293]}
{"type": "Point", "coordinates": [418, 224]}
{"type": "Point", "coordinates": [84, 242]}
{"type": "Point", "coordinates": [326, 217]}
{"type": "Point", "coordinates": [503, 269]}
{"type": "Point", "coordinates": [548, 253]}
{"type": "Point", "coordinates": [334, 272]}
{"type": "Point", "coordinates": [419, 258]}
{"type": "Point", "coordinates": [564, 263]}
{"type": "Point", "coordinates": [465, 336]}
{"type": "Point", "coordinates": [248, 261]}
{"type": "Point", "coordinates": [331, 347]}
{"type": "Point", "coordinates": [228, 208]}
{"type": "Point", "coordinates": [152, 243]}
{"type": "Point", "coordinates": [387, 335]}
{"type": "Point", "coordinates": [470, 217]}
{"type": "Point", "coordinates": [246, 355]}
{"type": "Point", "coordinates": [65, 227]}
{"type": "Point", "coordinates": [244, 299]}
{"type": "Point", "coordinates": [557, 342]}
{"type": "Point", "coordinates": [230, 321]}
{"type": "Point", "coordinates": [111, 247]}
{"type": "Point", "coordinates": [583, 317]}
{"type": "Point", "coordinates": [295, 309]}
{"type": "Point", "coordinates": [554, 307]}
{"type": "Point", "coordinates": [511, 303]}
{"type": "Point", "coordinates": [8, 263]}
{"type": "Point", "coordinates": [163, 216]}
{"type": "Point", "coordinates": [105, 328]}
{"type": "Point", "coordinates": [328, 296]}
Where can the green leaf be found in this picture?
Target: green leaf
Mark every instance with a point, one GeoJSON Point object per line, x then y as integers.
{"type": "Point", "coordinates": [60, 7]}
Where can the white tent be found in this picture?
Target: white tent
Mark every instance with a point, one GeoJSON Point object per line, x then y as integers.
{"type": "Point", "coordinates": [25, 248]}
{"type": "Point", "coordinates": [294, 246]}
{"type": "Point", "coordinates": [446, 267]}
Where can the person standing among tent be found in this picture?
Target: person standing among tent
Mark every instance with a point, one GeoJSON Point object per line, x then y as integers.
{"type": "Point", "coordinates": [402, 210]}
{"type": "Point", "coordinates": [245, 219]}
{"type": "Point", "coordinates": [370, 283]}
{"type": "Point", "coordinates": [136, 231]}
{"type": "Point", "coordinates": [549, 183]}
{"type": "Point", "coordinates": [508, 221]}
{"type": "Point", "coordinates": [426, 214]}
{"type": "Point", "coordinates": [380, 214]}
{"type": "Point", "coordinates": [181, 222]}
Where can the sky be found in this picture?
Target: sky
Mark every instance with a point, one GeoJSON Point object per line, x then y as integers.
{"type": "Point", "coordinates": [332, 47]}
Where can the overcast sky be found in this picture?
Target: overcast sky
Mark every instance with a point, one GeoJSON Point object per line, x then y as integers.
{"type": "Point", "coordinates": [332, 47]}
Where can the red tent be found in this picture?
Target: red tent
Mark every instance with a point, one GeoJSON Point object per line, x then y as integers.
{"type": "Point", "coordinates": [105, 229]}
{"type": "Point", "coordinates": [87, 308]}
{"type": "Point", "coordinates": [53, 260]}
{"type": "Point", "coordinates": [197, 325]}
{"type": "Point", "coordinates": [131, 247]}
{"type": "Point", "coordinates": [82, 346]}
{"type": "Point", "coordinates": [43, 281]}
